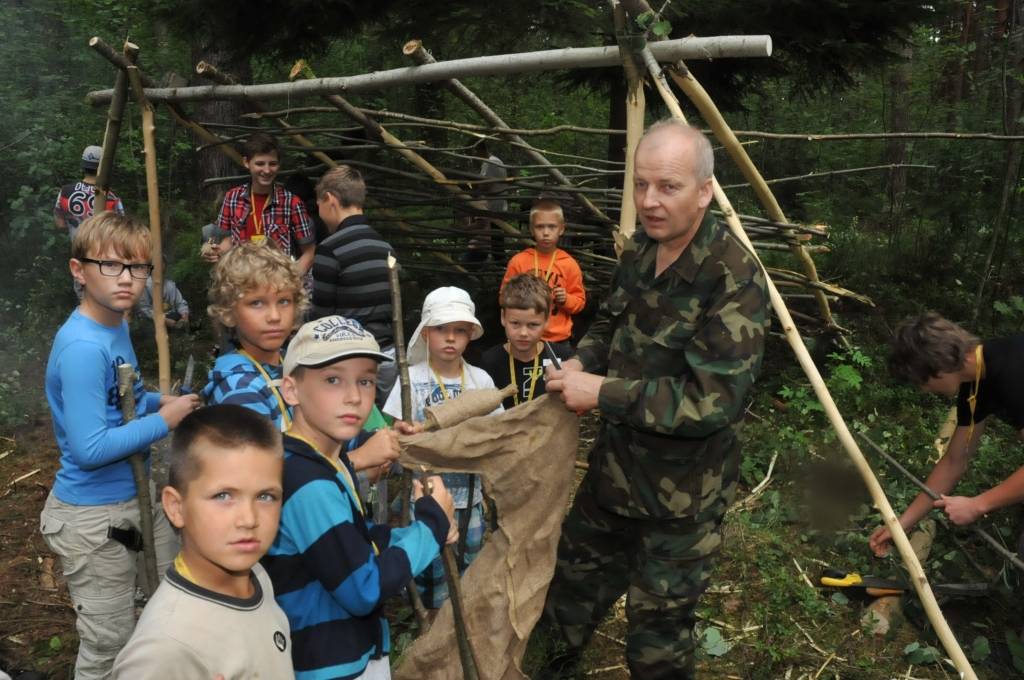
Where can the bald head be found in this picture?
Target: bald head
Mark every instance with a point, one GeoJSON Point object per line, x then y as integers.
{"type": "Point", "coordinates": [669, 130]}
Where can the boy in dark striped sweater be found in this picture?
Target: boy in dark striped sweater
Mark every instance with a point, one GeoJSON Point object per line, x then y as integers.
{"type": "Point", "coordinates": [350, 270]}
{"type": "Point", "coordinates": [331, 568]}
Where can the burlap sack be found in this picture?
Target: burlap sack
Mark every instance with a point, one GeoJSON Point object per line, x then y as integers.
{"type": "Point", "coordinates": [525, 457]}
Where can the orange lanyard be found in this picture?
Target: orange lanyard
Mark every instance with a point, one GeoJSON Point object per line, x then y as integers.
{"type": "Point", "coordinates": [972, 401]}
{"type": "Point", "coordinates": [536, 265]}
{"type": "Point", "coordinates": [286, 419]}
{"type": "Point", "coordinates": [534, 373]}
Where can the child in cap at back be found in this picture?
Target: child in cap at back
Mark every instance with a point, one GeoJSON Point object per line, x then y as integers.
{"type": "Point", "coordinates": [215, 614]}
{"type": "Point", "coordinates": [437, 372]}
{"type": "Point", "coordinates": [332, 569]}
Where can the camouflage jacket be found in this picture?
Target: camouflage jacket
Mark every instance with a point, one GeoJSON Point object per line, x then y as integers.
{"type": "Point", "coordinates": [680, 353]}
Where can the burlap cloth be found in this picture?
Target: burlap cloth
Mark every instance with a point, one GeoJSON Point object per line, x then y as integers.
{"type": "Point", "coordinates": [525, 457]}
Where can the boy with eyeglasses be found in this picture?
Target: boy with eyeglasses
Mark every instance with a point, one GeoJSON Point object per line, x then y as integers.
{"type": "Point", "coordinates": [92, 514]}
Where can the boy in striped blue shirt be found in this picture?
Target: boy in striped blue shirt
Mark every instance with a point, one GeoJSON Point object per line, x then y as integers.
{"type": "Point", "coordinates": [332, 568]}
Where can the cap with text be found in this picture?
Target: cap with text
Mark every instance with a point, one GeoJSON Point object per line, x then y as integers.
{"type": "Point", "coordinates": [330, 339]}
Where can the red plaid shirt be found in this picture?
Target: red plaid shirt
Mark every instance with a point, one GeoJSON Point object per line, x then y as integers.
{"type": "Point", "coordinates": [284, 217]}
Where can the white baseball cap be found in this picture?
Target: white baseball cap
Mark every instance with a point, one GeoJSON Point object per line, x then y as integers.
{"type": "Point", "coordinates": [330, 339]}
{"type": "Point", "coordinates": [447, 304]}
{"type": "Point", "coordinates": [91, 157]}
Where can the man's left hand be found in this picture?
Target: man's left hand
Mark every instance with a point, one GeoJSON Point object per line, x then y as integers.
{"type": "Point", "coordinates": [579, 390]}
{"type": "Point", "coordinates": [961, 510]}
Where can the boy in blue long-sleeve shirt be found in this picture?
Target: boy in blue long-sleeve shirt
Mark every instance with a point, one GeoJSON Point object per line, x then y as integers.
{"type": "Point", "coordinates": [332, 568]}
{"type": "Point", "coordinates": [92, 506]}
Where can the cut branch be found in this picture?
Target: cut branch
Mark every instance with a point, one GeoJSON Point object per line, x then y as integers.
{"type": "Point", "coordinates": [415, 50]}
{"type": "Point", "coordinates": [502, 64]}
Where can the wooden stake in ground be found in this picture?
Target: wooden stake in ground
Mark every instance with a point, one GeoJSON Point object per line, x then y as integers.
{"type": "Point", "coordinates": [163, 350]}
{"type": "Point", "coordinates": [917, 576]}
{"type": "Point", "coordinates": [635, 107]}
{"type": "Point", "coordinates": [398, 331]}
{"type": "Point", "coordinates": [451, 573]}
{"type": "Point", "coordinates": [126, 392]}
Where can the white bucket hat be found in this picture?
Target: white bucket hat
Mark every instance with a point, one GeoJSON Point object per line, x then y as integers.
{"type": "Point", "coordinates": [443, 305]}
{"type": "Point", "coordinates": [330, 339]}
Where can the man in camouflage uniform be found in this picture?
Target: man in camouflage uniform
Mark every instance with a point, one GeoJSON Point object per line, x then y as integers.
{"type": "Point", "coordinates": [669, 360]}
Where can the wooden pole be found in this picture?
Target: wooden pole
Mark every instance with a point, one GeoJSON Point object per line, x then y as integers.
{"type": "Point", "coordinates": [635, 108]}
{"type": "Point", "coordinates": [179, 115]}
{"type": "Point", "coordinates": [377, 131]}
{"type": "Point", "coordinates": [163, 350]}
{"type": "Point", "coordinates": [502, 64]}
{"type": "Point", "coordinates": [415, 50]}
{"type": "Point", "coordinates": [917, 576]}
{"type": "Point", "coordinates": [398, 331]}
{"type": "Point", "coordinates": [451, 573]}
{"type": "Point", "coordinates": [126, 391]}
{"type": "Point", "coordinates": [210, 71]}
{"type": "Point", "coordinates": [112, 132]}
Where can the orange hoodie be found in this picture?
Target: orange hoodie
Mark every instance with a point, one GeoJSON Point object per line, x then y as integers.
{"type": "Point", "coordinates": [563, 272]}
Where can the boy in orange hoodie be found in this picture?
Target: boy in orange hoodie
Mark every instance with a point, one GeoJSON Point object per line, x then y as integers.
{"type": "Point", "coordinates": [555, 266]}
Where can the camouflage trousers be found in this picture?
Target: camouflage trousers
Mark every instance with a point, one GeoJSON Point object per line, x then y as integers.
{"type": "Point", "coordinates": [663, 566]}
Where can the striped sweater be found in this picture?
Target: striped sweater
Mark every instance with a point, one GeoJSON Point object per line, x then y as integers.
{"type": "Point", "coordinates": [350, 278]}
{"type": "Point", "coordinates": [332, 569]}
{"type": "Point", "coordinates": [234, 379]}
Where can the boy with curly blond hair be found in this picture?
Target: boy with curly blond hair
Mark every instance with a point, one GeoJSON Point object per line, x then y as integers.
{"type": "Point", "coordinates": [256, 292]}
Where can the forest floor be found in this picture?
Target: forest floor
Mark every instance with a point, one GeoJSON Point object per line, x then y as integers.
{"type": "Point", "coordinates": [764, 616]}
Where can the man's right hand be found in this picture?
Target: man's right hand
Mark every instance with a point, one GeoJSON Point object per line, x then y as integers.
{"type": "Point", "coordinates": [568, 366]}
{"type": "Point", "coordinates": [176, 408]}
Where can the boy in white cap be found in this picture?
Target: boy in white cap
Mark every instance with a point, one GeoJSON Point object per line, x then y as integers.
{"type": "Point", "coordinates": [437, 372]}
{"type": "Point", "coordinates": [332, 568]}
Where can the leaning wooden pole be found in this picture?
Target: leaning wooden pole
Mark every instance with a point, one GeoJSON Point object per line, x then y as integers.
{"type": "Point", "coordinates": [906, 551]}
{"type": "Point", "coordinates": [126, 392]}
{"type": "Point", "coordinates": [163, 350]}
{"type": "Point", "coordinates": [380, 133]}
{"type": "Point", "coordinates": [415, 50]}
{"type": "Point", "coordinates": [405, 385]}
{"type": "Point", "coordinates": [112, 133]}
{"type": "Point", "coordinates": [208, 70]}
{"type": "Point", "coordinates": [177, 113]}
{"type": "Point", "coordinates": [738, 153]}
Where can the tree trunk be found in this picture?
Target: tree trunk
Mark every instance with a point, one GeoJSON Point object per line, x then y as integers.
{"type": "Point", "coordinates": [896, 148]}
{"type": "Point", "coordinates": [210, 162]}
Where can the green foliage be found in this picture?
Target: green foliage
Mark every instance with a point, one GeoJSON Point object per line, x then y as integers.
{"type": "Point", "coordinates": [921, 655]}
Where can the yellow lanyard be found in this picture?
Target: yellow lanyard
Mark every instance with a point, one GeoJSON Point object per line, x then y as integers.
{"type": "Point", "coordinates": [972, 401]}
{"type": "Point", "coordinates": [536, 265]}
{"type": "Point", "coordinates": [340, 467]}
{"type": "Point", "coordinates": [440, 381]}
{"type": "Point", "coordinates": [534, 372]}
{"type": "Point", "coordinates": [286, 420]}
{"type": "Point", "coordinates": [257, 215]}
{"type": "Point", "coordinates": [182, 568]}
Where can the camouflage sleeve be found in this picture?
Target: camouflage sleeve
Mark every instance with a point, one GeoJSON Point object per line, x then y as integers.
{"type": "Point", "coordinates": [723, 359]}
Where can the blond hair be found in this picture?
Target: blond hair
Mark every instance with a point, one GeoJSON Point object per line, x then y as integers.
{"type": "Point", "coordinates": [249, 266]}
{"type": "Point", "coordinates": [127, 236]}
{"type": "Point", "coordinates": [526, 291]}
{"type": "Point", "coordinates": [547, 205]}
{"type": "Point", "coordinates": [345, 183]}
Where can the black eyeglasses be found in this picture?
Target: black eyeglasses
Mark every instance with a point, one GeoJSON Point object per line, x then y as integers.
{"type": "Point", "coordinates": [111, 268]}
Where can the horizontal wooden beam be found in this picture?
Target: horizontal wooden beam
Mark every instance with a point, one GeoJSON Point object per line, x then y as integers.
{"type": "Point", "coordinates": [569, 58]}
